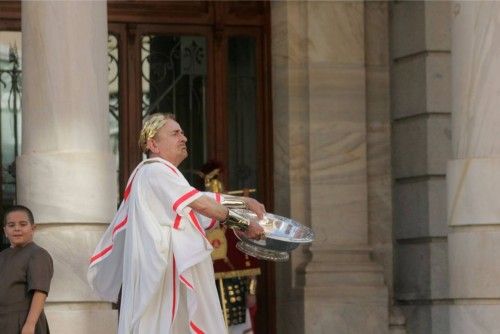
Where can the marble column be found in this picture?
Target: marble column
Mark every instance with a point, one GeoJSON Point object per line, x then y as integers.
{"type": "Point", "coordinates": [421, 147]}
{"type": "Point", "coordinates": [320, 109]}
{"type": "Point", "coordinates": [474, 171]}
{"type": "Point", "coordinates": [344, 289]}
{"type": "Point", "coordinates": [291, 157]}
{"type": "Point", "coordinates": [66, 172]}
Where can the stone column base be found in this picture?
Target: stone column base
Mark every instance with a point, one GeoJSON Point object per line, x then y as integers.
{"type": "Point", "coordinates": [345, 292]}
{"type": "Point", "coordinates": [82, 318]}
{"type": "Point", "coordinates": [346, 309]}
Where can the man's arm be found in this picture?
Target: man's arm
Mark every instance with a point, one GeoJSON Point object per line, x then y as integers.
{"type": "Point", "coordinates": [210, 208]}
{"type": "Point", "coordinates": [36, 308]}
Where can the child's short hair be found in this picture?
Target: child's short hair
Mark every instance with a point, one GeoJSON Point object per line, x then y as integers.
{"type": "Point", "coordinates": [15, 208]}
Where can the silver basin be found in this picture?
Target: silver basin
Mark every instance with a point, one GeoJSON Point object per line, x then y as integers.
{"type": "Point", "coordinates": [282, 235]}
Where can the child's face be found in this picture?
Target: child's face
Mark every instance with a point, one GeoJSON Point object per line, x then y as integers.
{"type": "Point", "coordinates": [18, 229]}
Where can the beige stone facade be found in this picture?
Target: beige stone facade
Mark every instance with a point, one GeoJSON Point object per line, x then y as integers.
{"type": "Point", "coordinates": [421, 141]}
{"type": "Point", "coordinates": [332, 129]}
{"type": "Point", "coordinates": [385, 143]}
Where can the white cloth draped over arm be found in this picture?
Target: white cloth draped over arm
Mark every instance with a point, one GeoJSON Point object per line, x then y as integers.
{"type": "Point", "coordinates": [153, 229]}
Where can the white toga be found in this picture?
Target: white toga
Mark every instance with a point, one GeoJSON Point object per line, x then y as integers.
{"type": "Point", "coordinates": [157, 250]}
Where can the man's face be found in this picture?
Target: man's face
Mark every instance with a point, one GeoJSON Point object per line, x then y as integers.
{"type": "Point", "coordinates": [169, 143]}
{"type": "Point", "coordinates": [18, 229]}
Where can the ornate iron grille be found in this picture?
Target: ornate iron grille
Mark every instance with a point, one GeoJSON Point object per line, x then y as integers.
{"type": "Point", "coordinates": [10, 108]}
{"type": "Point", "coordinates": [174, 72]}
{"type": "Point", "coordinates": [166, 60]}
{"type": "Point", "coordinates": [114, 97]}
{"type": "Point", "coordinates": [10, 111]}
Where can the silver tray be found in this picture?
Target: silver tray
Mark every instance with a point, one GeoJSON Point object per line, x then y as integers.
{"type": "Point", "coordinates": [282, 235]}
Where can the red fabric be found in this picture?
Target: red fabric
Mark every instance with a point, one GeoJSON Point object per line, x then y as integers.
{"type": "Point", "coordinates": [101, 253]}
{"type": "Point", "coordinates": [184, 198]}
{"type": "Point", "coordinates": [122, 223]}
{"type": "Point", "coordinates": [236, 258]}
{"type": "Point", "coordinates": [195, 328]}
{"type": "Point", "coordinates": [197, 223]}
{"type": "Point", "coordinates": [186, 282]}
{"type": "Point", "coordinates": [253, 313]}
{"type": "Point", "coordinates": [177, 221]}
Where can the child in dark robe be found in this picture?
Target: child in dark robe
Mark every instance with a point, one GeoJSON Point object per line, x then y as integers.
{"type": "Point", "coordinates": [26, 270]}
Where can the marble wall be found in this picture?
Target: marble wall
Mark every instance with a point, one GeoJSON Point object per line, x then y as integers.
{"type": "Point", "coordinates": [378, 136]}
{"type": "Point", "coordinates": [291, 150]}
{"type": "Point", "coordinates": [332, 163]}
{"type": "Point", "coordinates": [473, 170]}
{"type": "Point", "coordinates": [421, 142]}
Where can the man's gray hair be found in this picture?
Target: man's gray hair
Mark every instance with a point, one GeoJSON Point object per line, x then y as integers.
{"type": "Point", "coordinates": [152, 124]}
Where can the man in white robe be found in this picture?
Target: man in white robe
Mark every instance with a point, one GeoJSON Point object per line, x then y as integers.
{"type": "Point", "coordinates": [156, 249]}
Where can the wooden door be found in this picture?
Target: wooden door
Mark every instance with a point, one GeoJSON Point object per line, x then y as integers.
{"type": "Point", "coordinates": [220, 93]}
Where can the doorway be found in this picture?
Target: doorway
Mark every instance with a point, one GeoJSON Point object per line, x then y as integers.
{"type": "Point", "coordinates": [208, 63]}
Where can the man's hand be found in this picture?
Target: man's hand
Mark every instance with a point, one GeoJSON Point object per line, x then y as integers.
{"type": "Point", "coordinates": [254, 231]}
{"type": "Point", "coordinates": [255, 206]}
